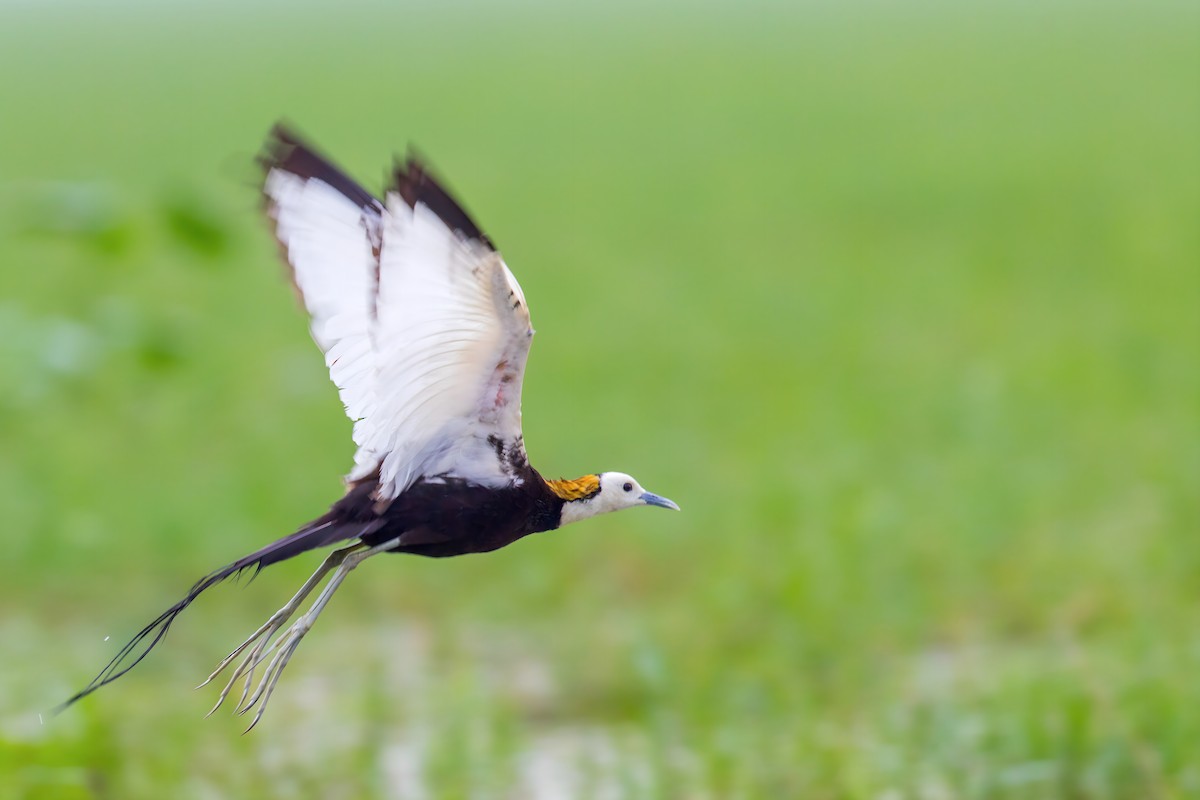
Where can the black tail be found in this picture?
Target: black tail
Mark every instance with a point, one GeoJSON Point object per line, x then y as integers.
{"type": "Point", "coordinates": [320, 533]}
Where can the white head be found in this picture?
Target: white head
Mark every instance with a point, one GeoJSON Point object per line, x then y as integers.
{"type": "Point", "coordinates": [609, 491]}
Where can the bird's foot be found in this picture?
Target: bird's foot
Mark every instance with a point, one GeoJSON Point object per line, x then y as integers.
{"type": "Point", "coordinates": [344, 561]}
{"type": "Point", "coordinates": [283, 648]}
{"type": "Point", "coordinates": [260, 639]}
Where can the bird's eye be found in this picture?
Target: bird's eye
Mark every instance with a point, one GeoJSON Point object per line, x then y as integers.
{"type": "Point", "coordinates": [628, 487]}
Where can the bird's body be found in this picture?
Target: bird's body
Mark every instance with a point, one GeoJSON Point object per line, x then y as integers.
{"type": "Point", "coordinates": [452, 517]}
{"type": "Point", "coordinates": [426, 334]}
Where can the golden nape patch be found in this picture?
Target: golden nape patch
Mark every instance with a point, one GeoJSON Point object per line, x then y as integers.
{"type": "Point", "coordinates": [577, 489]}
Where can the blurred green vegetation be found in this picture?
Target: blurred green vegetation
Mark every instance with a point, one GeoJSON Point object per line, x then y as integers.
{"type": "Point", "coordinates": [900, 303]}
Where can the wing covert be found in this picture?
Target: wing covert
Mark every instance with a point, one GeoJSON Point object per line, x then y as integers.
{"type": "Point", "coordinates": [451, 337]}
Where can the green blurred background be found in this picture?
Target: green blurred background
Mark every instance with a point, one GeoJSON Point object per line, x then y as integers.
{"type": "Point", "coordinates": [900, 302]}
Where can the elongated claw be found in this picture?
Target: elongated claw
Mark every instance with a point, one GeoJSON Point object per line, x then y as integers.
{"type": "Point", "coordinates": [269, 628]}
{"type": "Point", "coordinates": [287, 646]}
{"type": "Point", "coordinates": [264, 645]}
{"type": "Point", "coordinates": [260, 639]}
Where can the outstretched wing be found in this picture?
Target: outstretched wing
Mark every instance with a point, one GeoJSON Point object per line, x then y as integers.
{"type": "Point", "coordinates": [425, 330]}
{"type": "Point", "coordinates": [451, 339]}
{"type": "Point", "coordinates": [329, 228]}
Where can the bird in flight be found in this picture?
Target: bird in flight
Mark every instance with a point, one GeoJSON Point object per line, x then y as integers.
{"type": "Point", "coordinates": [425, 333]}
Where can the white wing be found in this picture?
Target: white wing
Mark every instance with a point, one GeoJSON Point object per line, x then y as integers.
{"type": "Point", "coordinates": [452, 336]}
{"type": "Point", "coordinates": [425, 330]}
{"type": "Point", "coordinates": [329, 228]}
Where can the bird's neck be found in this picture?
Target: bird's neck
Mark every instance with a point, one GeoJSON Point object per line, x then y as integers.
{"type": "Point", "coordinates": [576, 510]}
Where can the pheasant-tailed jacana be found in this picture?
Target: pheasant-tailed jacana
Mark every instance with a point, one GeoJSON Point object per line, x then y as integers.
{"type": "Point", "coordinates": [426, 333]}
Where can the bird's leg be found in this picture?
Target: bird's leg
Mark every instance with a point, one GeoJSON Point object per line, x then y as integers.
{"type": "Point", "coordinates": [289, 640]}
{"type": "Point", "coordinates": [271, 627]}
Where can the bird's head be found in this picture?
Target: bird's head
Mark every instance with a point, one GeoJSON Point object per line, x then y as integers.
{"type": "Point", "coordinates": [598, 494]}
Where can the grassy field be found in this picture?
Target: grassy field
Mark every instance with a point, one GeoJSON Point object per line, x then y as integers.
{"type": "Point", "coordinates": [901, 304]}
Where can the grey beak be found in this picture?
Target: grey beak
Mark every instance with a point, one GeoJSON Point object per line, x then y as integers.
{"type": "Point", "coordinates": [651, 499]}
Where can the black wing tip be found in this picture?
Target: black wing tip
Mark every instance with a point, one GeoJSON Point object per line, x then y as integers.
{"type": "Point", "coordinates": [287, 150]}
{"type": "Point", "coordinates": [412, 179]}
{"type": "Point", "coordinates": [415, 183]}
